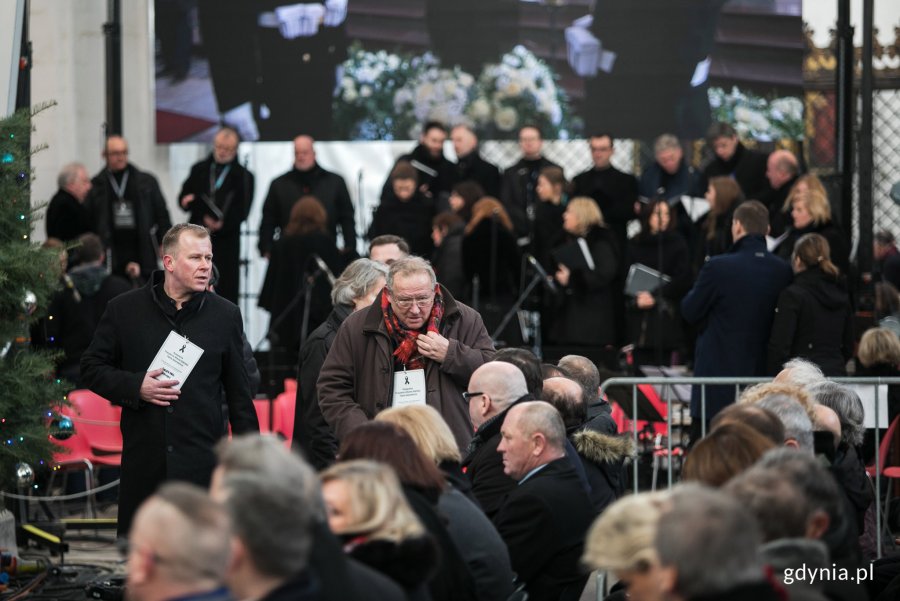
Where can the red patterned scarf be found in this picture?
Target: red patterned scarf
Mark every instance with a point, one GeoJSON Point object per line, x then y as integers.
{"type": "Point", "coordinates": [405, 339]}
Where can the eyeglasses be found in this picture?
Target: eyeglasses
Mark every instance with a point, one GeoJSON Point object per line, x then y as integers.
{"type": "Point", "coordinates": [421, 302]}
{"type": "Point", "coordinates": [468, 396]}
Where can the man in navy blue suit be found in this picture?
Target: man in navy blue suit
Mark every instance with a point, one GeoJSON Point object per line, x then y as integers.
{"type": "Point", "coordinates": [734, 299]}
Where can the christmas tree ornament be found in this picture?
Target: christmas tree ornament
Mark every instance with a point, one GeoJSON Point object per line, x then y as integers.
{"type": "Point", "coordinates": [24, 475]}
{"type": "Point", "coordinates": [29, 302]}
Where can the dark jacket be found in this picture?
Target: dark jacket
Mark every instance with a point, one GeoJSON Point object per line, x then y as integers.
{"type": "Point", "coordinates": [433, 185]}
{"type": "Point", "coordinates": [774, 199]}
{"type": "Point", "coordinates": [734, 300]}
{"type": "Point", "coordinates": [660, 326]}
{"type": "Point", "coordinates": [329, 188]}
{"type": "Point", "coordinates": [312, 434]}
{"type": "Point", "coordinates": [747, 167]}
{"type": "Point", "coordinates": [656, 182]}
{"type": "Point", "coordinates": [473, 167]}
{"type": "Point", "coordinates": [719, 243]}
{"type": "Point", "coordinates": [356, 381]}
{"type": "Point", "coordinates": [544, 522]}
{"type": "Point", "coordinates": [518, 192]}
{"type": "Point", "coordinates": [813, 321]}
{"type": "Point", "coordinates": [150, 213]}
{"type": "Point", "coordinates": [837, 243]}
{"type": "Point", "coordinates": [410, 563]}
{"type": "Point", "coordinates": [174, 442]}
{"type": "Point", "coordinates": [603, 457]}
{"type": "Point", "coordinates": [410, 219]}
{"type": "Point", "coordinates": [498, 273]}
{"type": "Point", "coordinates": [447, 261]}
{"type": "Point", "coordinates": [290, 265]}
{"type": "Point", "coordinates": [615, 193]}
{"type": "Point", "coordinates": [586, 315]}
{"type": "Point", "coordinates": [66, 218]}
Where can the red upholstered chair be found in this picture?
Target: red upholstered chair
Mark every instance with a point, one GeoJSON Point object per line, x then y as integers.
{"type": "Point", "coordinates": [98, 421]}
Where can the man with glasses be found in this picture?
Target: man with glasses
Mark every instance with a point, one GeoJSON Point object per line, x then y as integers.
{"type": "Point", "coordinates": [217, 194]}
{"type": "Point", "coordinates": [127, 210]}
{"type": "Point", "coordinates": [415, 344]}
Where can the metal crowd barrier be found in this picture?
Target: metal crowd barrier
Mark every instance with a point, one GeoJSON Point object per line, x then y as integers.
{"type": "Point", "coordinates": [667, 393]}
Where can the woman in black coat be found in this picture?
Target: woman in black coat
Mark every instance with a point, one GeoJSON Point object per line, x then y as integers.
{"type": "Point", "coordinates": [654, 318]}
{"type": "Point", "coordinates": [724, 195]}
{"type": "Point", "coordinates": [813, 318]}
{"type": "Point", "coordinates": [489, 252]}
{"type": "Point", "coordinates": [291, 263]}
{"type": "Point", "coordinates": [585, 315]}
{"type": "Point", "coordinates": [405, 211]}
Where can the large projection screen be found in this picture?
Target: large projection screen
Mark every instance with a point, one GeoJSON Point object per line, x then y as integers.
{"type": "Point", "coordinates": [377, 69]}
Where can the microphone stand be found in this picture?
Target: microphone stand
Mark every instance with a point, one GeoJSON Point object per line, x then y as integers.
{"type": "Point", "coordinates": [536, 279]}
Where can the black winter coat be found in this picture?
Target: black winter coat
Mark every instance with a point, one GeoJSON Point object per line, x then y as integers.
{"type": "Point", "coordinates": [312, 434]}
{"type": "Point", "coordinates": [518, 192]}
{"type": "Point", "coordinates": [837, 243]}
{"type": "Point", "coordinates": [661, 324]}
{"type": "Point", "coordinates": [747, 167]}
{"type": "Point", "coordinates": [501, 283]}
{"type": "Point", "coordinates": [720, 242]}
{"type": "Point", "coordinates": [813, 321]}
{"type": "Point", "coordinates": [410, 219]}
{"type": "Point", "coordinates": [615, 192]}
{"type": "Point", "coordinates": [473, 167]}
{"type": "Point", "coordinates": [447, 261]}
{"type": "Point", "coordinates": [410, 563]}
{"type": "Point", "coordinates": [434, 186]}
{"type": "Point", "coordinates": [603, 457]}
{"type": "Point", "coordinates": [66, 218]}
{"type": "Point", "coordinates": [174, 442]}
{"type": "Point", "coordinates": [586, 313]}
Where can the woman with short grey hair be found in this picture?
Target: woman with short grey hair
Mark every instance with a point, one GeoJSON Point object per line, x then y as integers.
{"type": "Point", "coordinates": [357, 287]}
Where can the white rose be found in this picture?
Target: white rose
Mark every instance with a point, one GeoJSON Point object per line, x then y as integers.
{"type": "Point", "coordinates": [350, 94]}
{"type": "Point", "coordinates": [506, 119]}
{"type": "Point", "coordinates": [450, 87]}
{"type": "Point", "coordinates": [789, 107]}
{"type": "Point", "coordinates": [466, 80]}
{"type": "Point", "coordinates": [480, 110]}
{"type": "Point", "coordinates": [424, 93]}
{"type": "Point", "coordinates": [512, 89]}
{"type": "Point", "coordinates": [753, 119]}
{"type": "Point", "coordinates": [365, 91]}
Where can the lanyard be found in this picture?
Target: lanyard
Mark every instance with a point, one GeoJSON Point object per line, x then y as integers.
{"type": "Point", "coordinates": [216, 183]}
{"type": "Point", "coordinates": [119, 189]}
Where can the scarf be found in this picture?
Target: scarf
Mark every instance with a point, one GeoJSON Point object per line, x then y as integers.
{"type": "Point", "coordinates": [403, 338]}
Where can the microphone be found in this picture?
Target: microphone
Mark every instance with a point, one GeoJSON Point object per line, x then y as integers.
{"type": "Point", "coordinates": [545, 279]}
{"type": "Point", "coordinates": [323, 267]}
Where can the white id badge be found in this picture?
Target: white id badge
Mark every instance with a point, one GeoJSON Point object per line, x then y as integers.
{"type": "Point", "coordinates": [409, 388]}
{"type": "Point", "coordinates": [177, 357]}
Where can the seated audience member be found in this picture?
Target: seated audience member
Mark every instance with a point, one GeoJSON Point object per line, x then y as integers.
{"type": "Point", "coordinates": [271, 535]}
{"type": "Point", "coordinates": [192, 532]}
{"type": "Point", "coordinates": [423, 484]}
{"type": "Point", "coordinates": [586, 314]}
{"type": "Point", "coordinates": [794, 408]}
{"type": "Point", "coordinates": [76, 309]}
{"type": "Point", "coordinates": [811, 214]}
{"type": "Point", "coordinates": [368, 511]}
{"type": "Point", "coordinates": [879, 357]}
{"type": "Point", "coordinates": [471, 531]}
{"type": "Point", "coordinates": [493, 389]}
{"type": "Point", "coordinates": [548, 370]}
{"type": "Point", "coordinates": [388, 248]}
{"type": "Point", "coordinates": [599, 412]}
{"type": "Point", "coordinates": [654, 316]}
{"type": "Point", "coordinates": [886, 255]}
{"type": "Point", "coordinates": [727, 450]}
{"type": "Point", "coordinates": [813, 318]}
{"type": "Point", "coordinates": [724, 195]}
{"type": "Point", "coordinates": [732, 159]}
{"type": "Point", "coordinates": [708, 547]}
{"type": "Point", "coordinates": [621, 541]}
{"type": "Point", "coordinates": [405, 211]}
{"type": "Point", "coordinates": [544, 519]}
{"type": "Point", "coordinates": [356, 288]}
{"type": "Point", "coordinates": [529, 365]}
{"type": "Point", "coordinates": [799, 372]}
{"type": "Point", "coordinates": [447, 235]}
{"type": "Point", "coordinates": [762, 420]}
{"type": "Point", "coordinates": [790, 523]}
{"type": "Point", "coordinates": [463, 197]}
{"type": "Point", "coordinates": [566, 396]}
{"type": "Point", "coordinates": [887, 307]}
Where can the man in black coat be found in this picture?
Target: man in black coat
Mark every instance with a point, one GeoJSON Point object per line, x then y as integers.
{"type": "Point", "coordinates": [782, 171]}
{"type": "Point", "coordinates": [307, 178]}
{"type": "Point", "coordinates": [732, 159]}
{"type": "Point", "coordinates": [170, 425]}
{"type": "Point", "coordinates": [218, 193]}
{"type": "Point", "coordinates": [67, 218]}
{"type": "Point", "coordinates": [127, 210]}
{"type": "Point", "coordinates": [434, 171]}
{"type": "Point", "coordinates": [546, 516]}
{"type": "Point", "coordinates": [470, 165]}
{"type": "Point", "coordinates": [734, 298]}
{"type": "Point", "coordinates": [518, 193]}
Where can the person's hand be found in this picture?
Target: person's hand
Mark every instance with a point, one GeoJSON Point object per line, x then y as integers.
{"type": "Point", "coordinates": [433, 345]}
{"type": "Point", "coordinates": [637, 208]}
{"type": "Point", "coordinates": [562, 275]}
{"type": "Point", "coordinates": [213, 225]}
{"type": "Point", "coordinates": [158, 392]}
{"type": "Point", "coordinates": [133, 270]}
{"type": "Point", "coordinates": [186, 201]}
{"type": "Point", "coordinates": [645, 300]}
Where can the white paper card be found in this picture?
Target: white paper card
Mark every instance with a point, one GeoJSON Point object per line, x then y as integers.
{"type": "Point", "coordinates": [867, 396]}
{"type": "Point", "coordinates": [177, 357]}
{"type": "Point", "coordinates": [409, 388]}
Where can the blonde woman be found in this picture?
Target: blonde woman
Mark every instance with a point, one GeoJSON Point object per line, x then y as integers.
{"type": "Point", "coordinates": [621, 541]}
{"type": "Point", "coordinates": [879, 356]}
{"type": "Point", "coordinates": [587, 264]}
{"type": "Point", "coordinates": [473, 533]}
{"type": "Point", "coordinates": [368, 511]}
{"type": "Point", "coordinates": [810, 212]}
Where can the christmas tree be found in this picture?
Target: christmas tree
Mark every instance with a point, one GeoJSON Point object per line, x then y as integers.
{"type": "Point", "coordinates": [29, 275]}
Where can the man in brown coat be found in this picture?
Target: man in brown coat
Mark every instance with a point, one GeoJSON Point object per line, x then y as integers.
{"type": "Point", "coordinates": [416, 344]}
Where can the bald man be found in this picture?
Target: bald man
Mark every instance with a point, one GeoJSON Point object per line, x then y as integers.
{"type": "Point", "coordinates": [470, 165]}
{"type": "Point", "coordinates": [782, 170]}
{"type": "Point", "coordinates": [307, 178]}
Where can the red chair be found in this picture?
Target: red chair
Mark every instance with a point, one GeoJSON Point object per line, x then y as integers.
{"type": "Point", "coordinates": [76, 454]}
{"type": "Point", "coordinates": [98, 421]}
{"type": "Point", "coordinates": [889, 472]}
{"type": "Point", "coordinates": [285, 407]}
{"type": "Point", "coordinates": [263, 412]}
